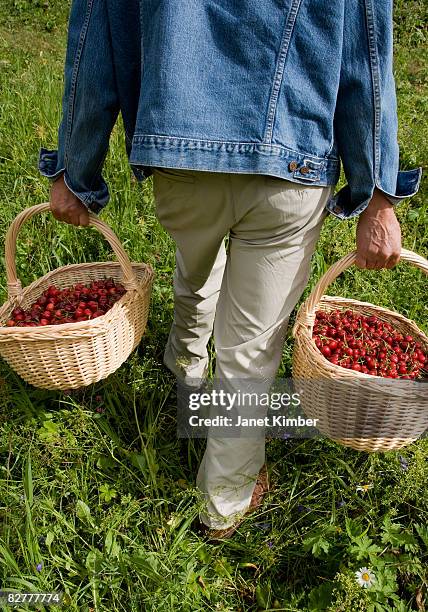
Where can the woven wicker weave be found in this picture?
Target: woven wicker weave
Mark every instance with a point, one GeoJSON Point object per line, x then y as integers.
{"type": "Point", "coordinates": [76, 354]}
{"type": "Point", "coordinates": [358, 410]}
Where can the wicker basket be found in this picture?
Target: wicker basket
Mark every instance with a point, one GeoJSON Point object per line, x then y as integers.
{"type": "Point", "coordinates": [358, 410]}
{"type": "Point", "coordinates": [76, 354]}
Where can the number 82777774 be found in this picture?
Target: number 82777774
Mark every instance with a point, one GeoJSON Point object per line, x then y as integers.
{"type": "Point", "coordinates": [13, 598]}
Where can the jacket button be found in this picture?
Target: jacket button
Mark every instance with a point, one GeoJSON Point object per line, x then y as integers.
{"type": "Point", "coordinates": [292, 166]}
{"type": "Point", "coordinates": [304, 170]}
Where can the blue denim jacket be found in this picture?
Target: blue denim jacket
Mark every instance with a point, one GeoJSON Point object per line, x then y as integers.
{"type": "Point", "coordinates": [286, 88]}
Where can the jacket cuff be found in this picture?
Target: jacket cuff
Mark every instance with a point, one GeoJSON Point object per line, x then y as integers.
{"type": "Point", "coordinates": [49, 165]}
{"type": "Point", "coordinates": [95, 199]}
{"type": "Point", "coordinates": [408, 182]}
{"type": "Point", "coordinates": [342, 206]}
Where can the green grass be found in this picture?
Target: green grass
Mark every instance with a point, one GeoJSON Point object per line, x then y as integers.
{"type": "Point", "coordinates": [100, 491]}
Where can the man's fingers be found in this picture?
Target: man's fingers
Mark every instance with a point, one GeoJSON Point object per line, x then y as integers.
{"type": "Point", "coordinates": [392, 261]}
{"type": "Point", "coordinates": [73, 217]}
{"type": "Point", "coordinates": [371, 261]}
{"type": "Point", "coordinates": [380, 261]}
{"type": "Point", "coordinates": [73, 214]}
{"type": "Point", "coordinates": [84, 218]}
{"type": "Point", "coordinates": [67, 217]}
{"type": "Point", "coordinates": [58, 211]}
{"type": "Point", "coordinates": [79, 216]}
{"type": "Point", "coordinates": [55, 214]}
{"type": "Point", "coordinates": [360, 261]}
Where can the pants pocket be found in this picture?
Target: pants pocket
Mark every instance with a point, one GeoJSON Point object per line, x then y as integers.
{"type": "Point", "coordinates": [173, 196]}
{"type": "Point", "coordinates": [179, 175]}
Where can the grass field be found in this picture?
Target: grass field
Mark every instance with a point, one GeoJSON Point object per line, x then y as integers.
{"type": "Point", "coordinates": [97, 495]}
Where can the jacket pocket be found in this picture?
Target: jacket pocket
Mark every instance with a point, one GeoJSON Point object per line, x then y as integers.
{"type": "Point", "coordinates": [175, 174]}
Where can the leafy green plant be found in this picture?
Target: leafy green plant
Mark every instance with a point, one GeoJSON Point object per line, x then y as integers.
{"type": "Point", "coordinates": [395, 555]}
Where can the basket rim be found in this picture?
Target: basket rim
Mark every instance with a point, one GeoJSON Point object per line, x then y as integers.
{"type": "Point", "coordinates": [303, 332]}
{"type": "Point", "coordinates": [94, 324]}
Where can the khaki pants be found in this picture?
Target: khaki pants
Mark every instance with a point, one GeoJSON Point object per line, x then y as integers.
{"type": "Point", "coordinates": [244, 293]}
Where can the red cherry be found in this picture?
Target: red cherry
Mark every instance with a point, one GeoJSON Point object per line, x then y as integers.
{"type": "Point", "coordinates": [347, 339]}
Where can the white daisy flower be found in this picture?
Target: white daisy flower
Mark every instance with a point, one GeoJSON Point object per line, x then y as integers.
{"type": "Point", "coordinates": [364, 488]}
{"type": "Point", "coordinates": [365, 577]}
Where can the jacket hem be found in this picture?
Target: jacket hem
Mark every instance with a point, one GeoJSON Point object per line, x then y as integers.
{"type": "Point", "coordinates": [233, 157]}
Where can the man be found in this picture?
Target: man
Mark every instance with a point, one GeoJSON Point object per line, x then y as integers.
{"type": "Point", "coordinates": [242, 110]}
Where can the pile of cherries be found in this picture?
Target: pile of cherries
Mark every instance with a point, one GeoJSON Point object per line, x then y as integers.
{"type": "Point", "coordinates": [77, 303]}
{"type": "Point", "coordinates": [369, 345]}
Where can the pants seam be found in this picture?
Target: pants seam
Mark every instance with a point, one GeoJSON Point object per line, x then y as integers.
{"type": "Point", "coordinates": [232, 197]}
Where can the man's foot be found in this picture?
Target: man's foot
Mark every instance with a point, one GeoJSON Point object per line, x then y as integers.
{"type": "Point", "coordinates": [260, 490]}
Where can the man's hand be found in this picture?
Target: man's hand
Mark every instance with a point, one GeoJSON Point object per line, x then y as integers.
{"type": "Point", "coordinates": [65, 206]}
{"type": "Point", "coordinates": [378, 235]}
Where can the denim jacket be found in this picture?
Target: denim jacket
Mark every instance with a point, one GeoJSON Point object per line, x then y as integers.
{"type": "Point", "coordinates": [287, 88]}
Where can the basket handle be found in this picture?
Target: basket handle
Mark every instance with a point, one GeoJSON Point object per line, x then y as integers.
{"type": "Point", "coordinates": [340, 266]}
{"type": "Point", "coordinates": [14, 286]}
